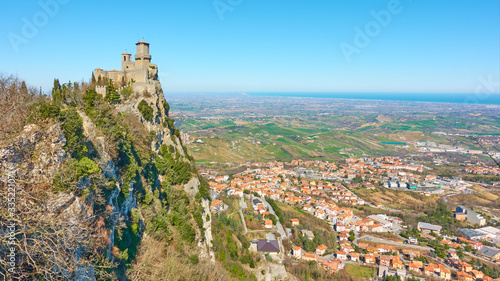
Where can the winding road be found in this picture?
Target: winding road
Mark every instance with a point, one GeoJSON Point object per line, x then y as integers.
{"type": "Point", "coordinates": [271, 211]}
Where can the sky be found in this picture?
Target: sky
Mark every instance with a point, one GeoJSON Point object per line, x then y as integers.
{"type": "Point", "coordinates": [399, 46]}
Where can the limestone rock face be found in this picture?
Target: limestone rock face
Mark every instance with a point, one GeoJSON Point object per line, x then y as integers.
{"type": "Point", "coordinates": [192, 186]}
{"type": "Point", "coordinates": [273, 272]}
{"type": "Point", "coordinates": [34, 158]}
{"type": "Point", "coordinates": [206, 247]}
{"type": "Point", "coordinates": [152, 93]}
{"type": "Point", "coordinates": [36, 152]}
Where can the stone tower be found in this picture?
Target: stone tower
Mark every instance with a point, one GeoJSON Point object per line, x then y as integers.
{"type": "Point", "coordinates": [127, 62]}
{"type": "Point", "coordinates": [142, 56]}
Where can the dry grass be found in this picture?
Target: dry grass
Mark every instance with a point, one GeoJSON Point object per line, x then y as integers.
{"type": "Point", "coordinates": [489, 196]}
{"type": "Point", "coordinates": [156, 261]}
{"type": "Point", "coordinates": [253, 224]}
{"type": "Point", "coordinates": [305, 218]}
{"type": "Point", "coordinates": [477, 200]}
{"type": "Point", "coordinates": [256, 235]}
{"type": "Point", "coordinates": [408, 199]}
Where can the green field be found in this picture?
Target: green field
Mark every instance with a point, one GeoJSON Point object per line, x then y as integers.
{"type": "Point", "coordinates": [293, 130]}
{"type": "Point", "coordinates": [360, 271]}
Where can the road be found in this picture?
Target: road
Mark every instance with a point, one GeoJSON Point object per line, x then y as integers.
{"type": "Point", "coordinates": [243, 204]}
{"type": "Point", "coordinates": [271, 211]}
{"type": "Point", "coordinates": [389, 242]}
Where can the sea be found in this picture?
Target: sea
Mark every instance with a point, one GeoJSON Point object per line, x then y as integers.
{"type": "Point", "coordinates": [481, 98]}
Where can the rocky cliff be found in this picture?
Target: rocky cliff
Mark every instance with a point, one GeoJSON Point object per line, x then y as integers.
{"type": "Point", "coordinates": [98, 182]}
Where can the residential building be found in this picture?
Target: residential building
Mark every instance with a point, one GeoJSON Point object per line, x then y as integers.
{"type": "Point", "coordinates": [217, 206]}
{"type": "Point", "coordinates": [445, 274]}
{"type": "Point", "coordinates": [332, 265]}
{"type": "Point", "coordinates": [462, 276]}
{"type": "Point", "coordinates": [297, 252]}
{"type": "Point", "coordinates": [369, 259]}
{"type": "Point", "coordinates": [268, 246]}
{"type": "Point", "coordinates": [268, 223]}
{"type": "Point", "coordinates": [354, 256]}
{"type": "Point", "coordinates": [341, 255]}
{"type": "Point", "coordinates": [309, 257]}
{"type": "Point", "coordinates": [320, 250]}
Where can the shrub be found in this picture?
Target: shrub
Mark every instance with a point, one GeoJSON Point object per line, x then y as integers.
{"type": "Point", "coordinates": [136, 216]}
{"type": "Point", "coordinates": [127, 92]}
{"type": "Point", "coordinates": [123, 255]}
{"type": "Point", "coordinates": [145, 110]}
{"type": "Point", "coordinates": [194, 259]}
{"type": "Point", "coordinates": [85, 193]}
{"type": "Point", "coordinates": [134, 227]}
{"type": "Point", "coordinates": [73, 132]}
{"type": "Point", "coordinates": [169, 122]}
{"type": "Point", "coordinates": [85, 167]}
{"type": "Point", "coordinates": [198, 218]}
{"type": "Point", "coordinates": [90, 97]}
{"type": "Point", "coordinates": [166, 106]}
{"type": "Point", "coordinates": [49, 110]}
{"type": "Point", "coordinates": [125, 188]}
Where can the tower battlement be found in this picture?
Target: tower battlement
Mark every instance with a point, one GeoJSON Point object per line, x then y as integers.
{"type": "Point", "coordinates": [102, 90]}
{"type": "Point", "coordinates": [139, 70]}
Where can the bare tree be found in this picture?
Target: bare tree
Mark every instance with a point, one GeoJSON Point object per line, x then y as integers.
{"type": "Point", "coordinates": [15, 101]}
{"type": "Point", "coordinates": [54, 236]}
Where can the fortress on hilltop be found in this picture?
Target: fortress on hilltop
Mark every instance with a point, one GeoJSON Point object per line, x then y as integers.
{"type": "Point", "coordinates": [138, 72]}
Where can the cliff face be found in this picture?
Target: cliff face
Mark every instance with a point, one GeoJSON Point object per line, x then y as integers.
{"type": "Point", "coordinates": [44, 221]}
{"type": "Point", "coordinates": [95, 179]}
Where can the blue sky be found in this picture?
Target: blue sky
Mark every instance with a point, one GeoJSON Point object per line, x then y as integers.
{"type": "Point", "coordinates": [261, 45]}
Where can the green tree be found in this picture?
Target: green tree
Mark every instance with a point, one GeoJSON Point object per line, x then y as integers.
{"type": "Point", "coordinates": [145, 110]}
{"type": "Point", "coordinates": [73, 132]}
{"type": "Point", "coordinates": [57, 94]}
{"type": "Point", "coordinates": [112, 95]}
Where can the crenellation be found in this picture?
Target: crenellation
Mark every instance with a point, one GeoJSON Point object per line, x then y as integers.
{"type": "Point", "coordinates": [102, 90]}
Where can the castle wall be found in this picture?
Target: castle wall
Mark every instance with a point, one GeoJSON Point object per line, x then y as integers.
{"type": "Point", "coordinates": [138, 74]}
{"type": "Point", "coordinates": [141, 70]}
{"type": "Point", "coordinates": [128, 65]}
{"type": "Point", "coordinates": [150, 86]}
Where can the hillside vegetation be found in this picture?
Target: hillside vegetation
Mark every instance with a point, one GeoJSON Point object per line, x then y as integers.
{"type": "Point", "coordinates": [103, 189]}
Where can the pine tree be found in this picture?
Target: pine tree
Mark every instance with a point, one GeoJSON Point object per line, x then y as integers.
{"type": "Point", "coordinates": [57, 92]}
{"type": "Point", "coordinates": [112, 95]}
